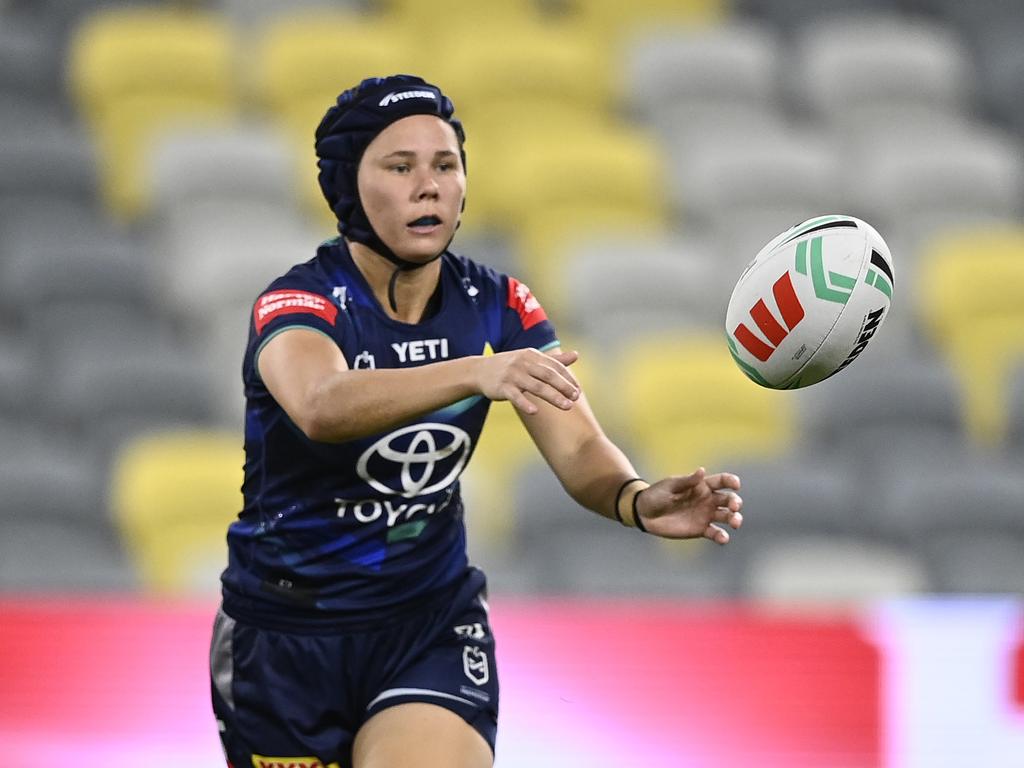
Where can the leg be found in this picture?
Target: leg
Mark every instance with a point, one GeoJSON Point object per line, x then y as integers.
{"type": "Point", "coordinates": [419, 735]}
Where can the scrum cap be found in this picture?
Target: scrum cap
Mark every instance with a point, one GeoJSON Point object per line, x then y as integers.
{"type": "Point", "coordinates": [347, 129]}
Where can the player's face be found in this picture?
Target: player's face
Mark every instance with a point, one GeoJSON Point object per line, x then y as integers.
{"type": "Point", "coordinates": [411, 183]}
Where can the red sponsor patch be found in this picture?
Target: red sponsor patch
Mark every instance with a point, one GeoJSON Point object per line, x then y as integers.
{"type": "Point", "coordinates": [523, 302]}
{"type": "Point", "coordinates": [277, 303]}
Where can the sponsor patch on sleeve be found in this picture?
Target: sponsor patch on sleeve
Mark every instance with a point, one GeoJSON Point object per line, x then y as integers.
{"type": "Point", "coordinates": [285, 302]}
{"type": "Point", "coordinates": [523, 302]}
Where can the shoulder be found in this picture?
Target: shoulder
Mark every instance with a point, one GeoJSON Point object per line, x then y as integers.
{"type": "Point", "coordinates": [302, 289]}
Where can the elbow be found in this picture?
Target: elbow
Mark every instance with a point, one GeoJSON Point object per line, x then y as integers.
{"type": "Point", "coordinates": [317, 423]}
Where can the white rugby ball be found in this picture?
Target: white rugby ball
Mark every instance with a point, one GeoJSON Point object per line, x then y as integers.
{"type": "Point", "coordinates": [810, 302]}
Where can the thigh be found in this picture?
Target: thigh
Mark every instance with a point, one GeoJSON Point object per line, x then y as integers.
{"type": "Point", "coordinates": [446, 659]}
{"type": "Point", "coordinates": [420, 735]}
{"type": "Point", "coordinates": [275, 697]}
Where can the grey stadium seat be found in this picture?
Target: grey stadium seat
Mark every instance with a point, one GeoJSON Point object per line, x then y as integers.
{"type": "Point", "coordinates": [730, 64]}
{"type": "Point", "coordinates": [620, 288]}
{"type": "Point", "coordinates": [571, 550]}
{"type": "Point", "coordinates": [844, 65]}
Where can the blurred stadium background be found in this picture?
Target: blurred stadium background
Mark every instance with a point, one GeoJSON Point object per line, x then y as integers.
{"type": "Point", "coordinates": [626, 160]}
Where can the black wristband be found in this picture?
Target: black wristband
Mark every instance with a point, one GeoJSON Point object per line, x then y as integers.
{"type": "Point", "coordinates": [636, 513]}
{"type": "Point", "coordinates": [618, 498]}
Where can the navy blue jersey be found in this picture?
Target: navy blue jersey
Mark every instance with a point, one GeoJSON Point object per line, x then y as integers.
{"type": "Point", "coordinates": [360, 528]}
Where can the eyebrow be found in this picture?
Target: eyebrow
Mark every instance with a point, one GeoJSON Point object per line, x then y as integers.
{"type": "Point", "coordinates": [410, 153]}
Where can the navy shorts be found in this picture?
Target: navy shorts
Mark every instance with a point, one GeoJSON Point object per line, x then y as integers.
{"type": "Point", "coordinates": [298, 698]}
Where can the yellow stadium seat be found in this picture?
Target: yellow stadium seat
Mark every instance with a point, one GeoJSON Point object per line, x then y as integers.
{"type": "Point", "coordinates": [537, 61]}
{"type": "Point", "coordinates": [451, 18]}
{"type": "Point", "coordinates": [118, 53]}
{"type": "Point", "coordinates": [543, 189]}
{"type": "Point", "coordinates": [686, 404]}
{"type": "Point", "coordinates": [135, 72]}
{"type": "Point", "coordinates": [315, 55]}
{"type": "Point", "coordinates": [610, 20]}
{"type": "Point", "coordinates": [970, 301]}
{"type": "Point", "coordinates": [173, 496]}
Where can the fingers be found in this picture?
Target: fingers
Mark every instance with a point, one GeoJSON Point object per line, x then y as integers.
{"type": "Point", "coordinates": [716, 534]}
{"type": "Point", "coordinates": [565, 358]}
{"type": "Point", "coordinates": [545, 377]}
{"type": "Point", "coordinates": [729, 517]}
{"type": "Point", "coordinates": [723, 480]}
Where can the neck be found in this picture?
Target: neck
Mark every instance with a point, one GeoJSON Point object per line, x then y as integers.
{"type": "Point", "coordinates": [413, 288]}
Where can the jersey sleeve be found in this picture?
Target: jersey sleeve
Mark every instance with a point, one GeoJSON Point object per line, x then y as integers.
{"type": "Point", "coordinates": [524, 323]}
{"type": "Point", "coordinates": [292, 302]}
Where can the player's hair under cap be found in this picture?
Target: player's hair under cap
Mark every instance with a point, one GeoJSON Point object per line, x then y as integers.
{"type": "Point", "coordinates": [346, 131]}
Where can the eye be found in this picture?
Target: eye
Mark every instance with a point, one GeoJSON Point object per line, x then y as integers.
{"type": "Point", "coordinates": [446, 166]}
{"type": "Point", "coordinates": [400, 168]}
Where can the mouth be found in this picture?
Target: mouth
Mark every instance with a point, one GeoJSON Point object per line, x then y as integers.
{"type": "Point", "coordinates": [424, 224]}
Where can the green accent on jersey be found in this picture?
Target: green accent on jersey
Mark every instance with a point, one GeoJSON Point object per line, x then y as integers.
{"type": "Point", "coordinates": [458, 407]}
{"type": "Point", "coordinates": [821, 287]}
{"type": "Point", "coordinates": [747, 369]}
{"type": "Point", "coordinates": [405, 531]}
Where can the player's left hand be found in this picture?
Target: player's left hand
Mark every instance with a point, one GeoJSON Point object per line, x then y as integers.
{"type": "Point", "coordinates": [692, 506]}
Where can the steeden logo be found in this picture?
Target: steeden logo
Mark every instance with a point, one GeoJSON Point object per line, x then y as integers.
{"type": "Point", "coordinates": [395, 97]}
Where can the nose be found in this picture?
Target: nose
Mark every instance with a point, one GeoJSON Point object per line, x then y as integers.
{"type": "Point", "coordinates": [427, 187]}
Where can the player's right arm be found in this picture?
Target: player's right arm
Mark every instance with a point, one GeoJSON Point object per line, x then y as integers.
{"type": "Point", "coordinates": [308, 375]}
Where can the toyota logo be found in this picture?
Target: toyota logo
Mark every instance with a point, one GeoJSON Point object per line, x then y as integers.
{"type": "Point", "coordinates": [420, 458]}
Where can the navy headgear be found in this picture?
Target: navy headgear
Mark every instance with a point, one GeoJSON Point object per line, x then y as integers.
{"type": "Point", "coordinates": [346, 131]}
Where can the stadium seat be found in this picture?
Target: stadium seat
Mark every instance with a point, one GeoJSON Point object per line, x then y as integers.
{"type": "Point", "coordinates": [545, 196]}
{"type": "Point", "coordinates": [686, 404]}
{"type": "Point", "coordinates": [45, 166]}
{"type": "Point", "coordinates": [547, 238]}
{"type": "Point", "coordinates": [670, 72]}
{"type": "Point", "coordinates": [103, 395]}
{"type": "Point", "coordinates": [978, 330]}
{"type": "Point", "coordinates": [845, 65]}
{"type": "Point", "coordinates": [173, 496]}
{"type": "Point", "coordinates": [833, 570]}
{"type": "Point", "coordinates": [532, 61]}
{"type": "Point", "coordinates": [1001, 71]}
{"type": "Point", "coordinates": [617, 288]}
{"type": "Point", "coordinates": [45, 266]}
{"type": "Point", "coordinates": [228, 252]}
{"type": "Point", "coordinates": [459, 18]}
{"type": "Point", "coordinates": [612, 22]}
{"type": "Point", "coordinates": [57, 557]}
{"type": "Point", "coordinates": [935, 178]}
{"type": "Point", "coordinates": [872, 416]}
{"type": "Point", "coordinates": [1015, 418]}
{"type": "Point", "coordinates": [571, 550]}
{"type": "Point", "coordinates": [137, 72]}
{"type": "Point", "coordinates": [19, 376]}
{"type": "Point", "coordinates": [234, 162]}
{"type": "Point", "coordinates": [788, 16]}
{"type": "Point", "coordinates": [965, 522]}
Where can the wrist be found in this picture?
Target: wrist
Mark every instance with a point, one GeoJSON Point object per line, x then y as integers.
{"type": "Point", "coordinates": [625, 508]}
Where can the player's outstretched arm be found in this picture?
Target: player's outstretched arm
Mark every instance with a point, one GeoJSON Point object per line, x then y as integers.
{"type": "Point", "coordinates": [309, 377]}
{"type": "Point", "coordinates": [599, 476]}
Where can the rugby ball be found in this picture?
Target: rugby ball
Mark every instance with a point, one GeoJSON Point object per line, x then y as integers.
{"type": "Point", "coordinates": [810, 302]}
